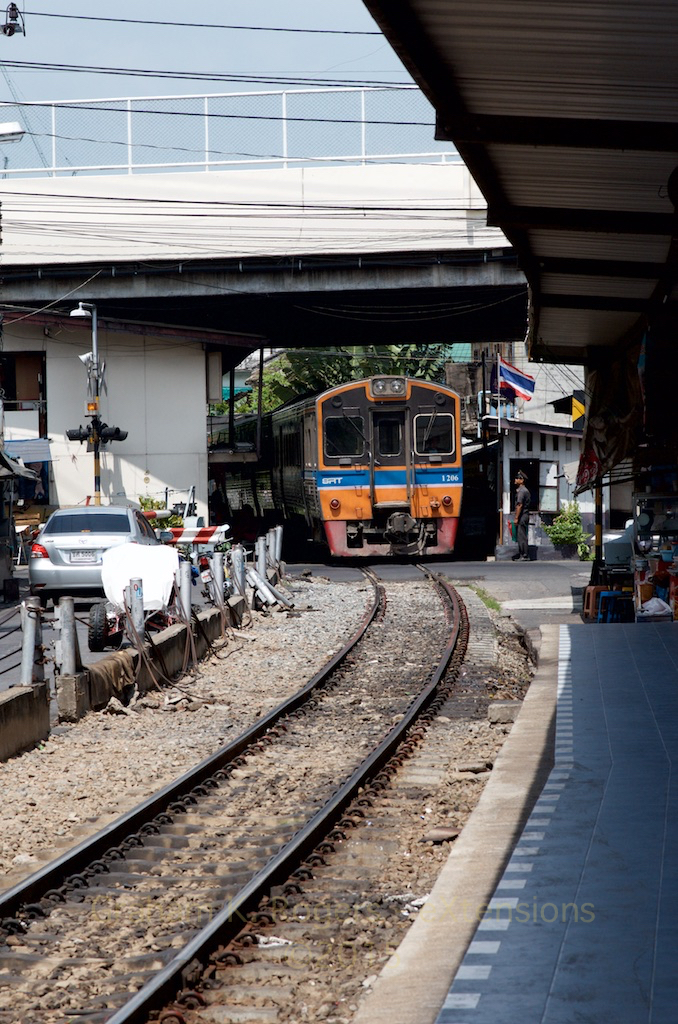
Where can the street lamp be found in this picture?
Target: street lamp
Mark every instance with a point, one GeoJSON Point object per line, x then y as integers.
{"type": "Point", "coordinates": [14, 22]}
{"type": "Point", "coordinates": [11, 131]}
{"type": "Point", "coordinates": [88, 309]}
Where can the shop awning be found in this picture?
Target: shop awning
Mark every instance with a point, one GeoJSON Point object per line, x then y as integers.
{"type": "Point", "coordinates": [33, 449]}
{"type": "Point", "coordinates": [238, 391]}
{"type": "Point", "coordinates": [9, 468]}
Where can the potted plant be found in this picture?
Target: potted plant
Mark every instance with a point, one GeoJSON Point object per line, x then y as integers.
{"type": "Point", "coordinates": [567, 535]}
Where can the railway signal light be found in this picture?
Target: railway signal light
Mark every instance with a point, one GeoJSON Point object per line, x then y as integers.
{"type": "Point", "coordinates": [107, 433]}
{"type": "Point", "coordinates": [97, 433]}
{"type": "Point", "coordinates": [78, 434]}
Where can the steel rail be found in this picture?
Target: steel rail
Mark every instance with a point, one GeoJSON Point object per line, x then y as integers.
{"type": "Point", "coordinates": [229, 922]}
{"type": "Point", "coordinates": [50, 877]}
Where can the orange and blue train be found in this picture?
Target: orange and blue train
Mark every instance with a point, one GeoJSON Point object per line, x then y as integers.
{"type": "Point", "coordinates": [372, 467]}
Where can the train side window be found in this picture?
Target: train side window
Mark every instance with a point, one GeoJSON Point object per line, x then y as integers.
{"type": "Point", "coordinates": [290, 439]}
{"type": "Point", "coordinates": [344, 436]}
{"type": "Point", "coordinates": [309, 453]}
{"type": "Point", "coordinates": [434, 435]}
{"type": "Point", "coordinates": [389, 436]}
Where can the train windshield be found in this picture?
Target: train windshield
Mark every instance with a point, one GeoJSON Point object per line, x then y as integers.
{"type": "Point", "coordinates": [434, 434]}
{"type": "Point", "coordinates": [344, 436]}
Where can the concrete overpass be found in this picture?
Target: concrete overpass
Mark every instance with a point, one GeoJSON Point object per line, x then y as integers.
{"type": "Point", "coordinates": [304, 256]}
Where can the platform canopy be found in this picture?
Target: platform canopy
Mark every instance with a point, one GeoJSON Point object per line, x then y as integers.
{"type": "Point", "coordinates": [566, 114]}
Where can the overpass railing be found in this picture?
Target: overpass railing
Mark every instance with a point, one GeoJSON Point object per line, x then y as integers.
{"type": "Point", "coordinates": [217, 131]}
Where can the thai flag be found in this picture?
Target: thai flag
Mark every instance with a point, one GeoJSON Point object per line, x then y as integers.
{"type": "Point", "coordinates": [522, 383]}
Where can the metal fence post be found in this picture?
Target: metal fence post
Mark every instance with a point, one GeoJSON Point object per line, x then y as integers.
{"type": "Point", "coordinates": [238, 568]}
{"type": "Point", "coordinates": [270, 549]}
{"type": "Point", "coordinates": [32, 669]}
{"type": "Point", "coordinates": [266, 591]}
{"type": "Point", "coordinates": [218, 578]}
{"type": "Point", "coordinates": [260, 587]}
{"type": "Point", "coordinates": [69, 638]}
{"type": "Point", "coordinates": [185, 589]}
{"type": "Point", "coordinates": [260, 554]}
{"type": "Point", "coordinates": [278, 531]}
{"type": "Point", "coordinates": [136, 601]}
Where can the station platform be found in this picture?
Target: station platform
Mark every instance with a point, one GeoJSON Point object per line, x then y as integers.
{"type": "Point", "coordinates": [580, 922]}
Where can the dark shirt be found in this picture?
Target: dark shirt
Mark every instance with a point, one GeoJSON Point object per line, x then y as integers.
{"type": "Point", "coordinates": [523, 499]}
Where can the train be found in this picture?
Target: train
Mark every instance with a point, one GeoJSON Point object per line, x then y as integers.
{"type": "Point", "coordinates": [371, 467]}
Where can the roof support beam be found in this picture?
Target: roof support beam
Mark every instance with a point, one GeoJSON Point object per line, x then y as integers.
{"type": "Point", "coordinates": [563, 218]}
{"type": "Point", "coordinates": [568, 132]}
{"type": "Point", "coordinates": [606, 303]}
{"type": "Point", "coordinates": [601, 268]}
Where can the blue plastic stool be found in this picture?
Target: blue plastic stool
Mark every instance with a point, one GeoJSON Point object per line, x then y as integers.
{"type": "Point", "coordinates": [607, 606]}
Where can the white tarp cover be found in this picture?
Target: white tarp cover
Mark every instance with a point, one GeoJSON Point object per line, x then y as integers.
{"type": "Point", "coordinates": [155, 566]}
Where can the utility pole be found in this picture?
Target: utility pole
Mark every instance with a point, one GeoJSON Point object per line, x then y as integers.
{"type": "Point", "coordinates": [88, 309]}
{"type": "Point", "coordinates": [97, 433]}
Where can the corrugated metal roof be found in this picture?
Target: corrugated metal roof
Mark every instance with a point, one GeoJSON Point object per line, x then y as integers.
{"type": "Point", "coordinates": [566, 114]}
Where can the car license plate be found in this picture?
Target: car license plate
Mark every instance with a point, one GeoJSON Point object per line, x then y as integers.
{"type": "Point", "coordinates": [83, 556]}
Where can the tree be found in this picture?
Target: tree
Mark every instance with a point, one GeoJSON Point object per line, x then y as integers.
{"type": "Point", "coordinates": [297, 373]}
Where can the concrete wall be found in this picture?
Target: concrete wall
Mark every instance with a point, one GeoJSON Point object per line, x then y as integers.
{"type": "Point", "coordinates": [117, 674]}
{"type": "Point", "coordinates": [24, 718]}
{"type": "Point", "coordinates": [155, 389]}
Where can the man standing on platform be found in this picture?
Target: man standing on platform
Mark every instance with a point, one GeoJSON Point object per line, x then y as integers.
{"type": "Point", "coordinates": [522, 515]}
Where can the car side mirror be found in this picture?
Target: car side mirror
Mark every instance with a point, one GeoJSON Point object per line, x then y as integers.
{"type": "Point", "coordinates": [165, 536]}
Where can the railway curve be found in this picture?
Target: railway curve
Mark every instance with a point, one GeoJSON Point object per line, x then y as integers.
{"type": "Point", "coordinates": [168, 839]}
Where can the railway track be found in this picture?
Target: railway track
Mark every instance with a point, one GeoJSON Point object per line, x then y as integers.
{"type": "Point", "coordinates": [145, 914]}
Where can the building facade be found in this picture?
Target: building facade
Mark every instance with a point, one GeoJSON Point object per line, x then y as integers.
{"type": "Point", "coordinates": [154, 387]}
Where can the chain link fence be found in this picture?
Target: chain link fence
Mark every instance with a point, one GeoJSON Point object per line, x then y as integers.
{"type": "Point", "coordinates": [221, 131]}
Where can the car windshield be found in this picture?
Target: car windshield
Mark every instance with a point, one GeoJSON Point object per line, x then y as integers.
{"type": "Point", "coordinates": [86, 522]}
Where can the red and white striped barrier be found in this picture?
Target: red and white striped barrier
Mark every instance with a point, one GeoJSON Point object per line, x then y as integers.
{"type": "Point", "coordinates": [205, 536]}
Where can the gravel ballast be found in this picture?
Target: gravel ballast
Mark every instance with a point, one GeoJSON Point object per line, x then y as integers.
{"type": "Point", "coordinates": [89, 773]}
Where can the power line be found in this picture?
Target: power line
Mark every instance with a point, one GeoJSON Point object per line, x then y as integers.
{"type": "Point", "coordinates": [54, 302]}
{"type": "Point", "coordinates": [237, 117]}
{"type": "Point", "coordinates": [210, 152]}
{"type": "Point", "coordinates": [284, 80]}
{"type": "Point", "coordinates": [337, 314]}
{"type": "Point", "coordinates": [190, 24]}
{"type": "Point", "coordinates": [231, 205]}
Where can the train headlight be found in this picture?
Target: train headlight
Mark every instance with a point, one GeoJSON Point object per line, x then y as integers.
{"type": "Point", "coordinates": [447, 500]}
{"type": "Point", "coordinates": [335, 504]}
{"type": "Point", "coordinates": [385, 387]}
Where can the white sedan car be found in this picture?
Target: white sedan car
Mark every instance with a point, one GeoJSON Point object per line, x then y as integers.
{"type": "Point", "coordinates": [66, 557]}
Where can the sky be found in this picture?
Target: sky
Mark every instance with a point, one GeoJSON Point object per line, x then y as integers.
{"type": "Point", "coordinates": [74, 40]}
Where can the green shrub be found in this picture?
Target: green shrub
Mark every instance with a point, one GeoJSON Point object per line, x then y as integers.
{"type": "Point", "coordinates": [151, 504]}
{"type": "Point", "coordinates": [567, 529]}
